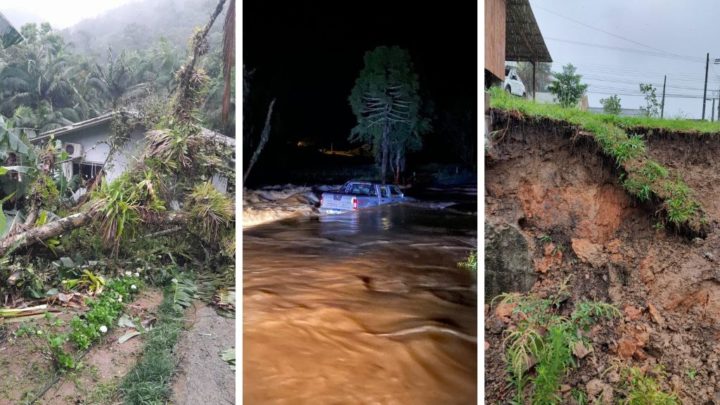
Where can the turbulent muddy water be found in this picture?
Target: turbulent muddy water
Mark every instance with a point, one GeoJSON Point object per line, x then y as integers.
{"type": "Point", "coordinates": [366, 307]}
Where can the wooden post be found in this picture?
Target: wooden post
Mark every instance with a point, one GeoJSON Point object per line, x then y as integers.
{"type": "Point", "coordinates": [534, 85]}
{"type": "Point", "coordinates": [662, 104]}
{"type": "Point", "coordinates": [707, 63]}
{"type": "Point", "coordinates": [712, 111]}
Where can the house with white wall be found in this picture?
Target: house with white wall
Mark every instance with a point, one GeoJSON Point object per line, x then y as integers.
{"type": "Point", "coordinates": [88, 144]}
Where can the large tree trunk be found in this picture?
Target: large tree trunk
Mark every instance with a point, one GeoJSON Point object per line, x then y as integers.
{"type": "Point", "coordinates": [44, 232]}
{"type": "Point", "coordinates": [185, 88]}
{"type": "Point", "coordinates": [263, 139]}
{"type": "Point", "coordinates": [397, 166]}
{"type": "Point", "coordinates": [385, 152]}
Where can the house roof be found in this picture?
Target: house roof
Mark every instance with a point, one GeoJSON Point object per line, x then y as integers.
{"type": "Point", "coordinates": [523, 40]}
{"type": "Point", "coordinates": [74, 127]}
{"type": "Point", "coordinates": [108, 117]}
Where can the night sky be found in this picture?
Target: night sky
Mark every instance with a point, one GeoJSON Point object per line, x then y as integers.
{"type": "Point", "coordinates": [308, 54]}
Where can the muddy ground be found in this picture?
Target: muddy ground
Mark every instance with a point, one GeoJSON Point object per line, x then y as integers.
{"type": "Point", "coordinates": [26, 374]}
{"type": "Point", "coordinates": [105, 364]}
{"type": "Point", "coordinates": [558, 191]}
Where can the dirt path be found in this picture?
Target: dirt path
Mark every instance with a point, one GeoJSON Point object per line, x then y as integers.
{"type": "Point", "coordinates": [104, 366]}
{"type": "Point", "coordinates": [202, 376]}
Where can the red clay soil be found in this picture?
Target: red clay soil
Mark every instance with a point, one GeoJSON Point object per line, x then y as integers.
{"type": "Point", "coordinates": [541, 181]}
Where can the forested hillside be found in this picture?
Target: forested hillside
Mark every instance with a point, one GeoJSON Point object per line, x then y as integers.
{"type": "Point", "coordinates": [126, 58]}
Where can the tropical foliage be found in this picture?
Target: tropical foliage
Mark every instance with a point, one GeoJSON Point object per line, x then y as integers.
{"type": "Point", "coordinates": [387, 106]}
{"type": "Point", "coordinates": [45, 84]}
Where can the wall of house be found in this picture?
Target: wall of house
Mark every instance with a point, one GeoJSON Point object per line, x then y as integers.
{"type": "Point", "coordinates": [495, 14]}
{"type": "Point", "coordinates": [93, 140]}
{"type": "Point", "coordinates": [124, 158]}
{"type": "Point", "coordinates": [96, 148]}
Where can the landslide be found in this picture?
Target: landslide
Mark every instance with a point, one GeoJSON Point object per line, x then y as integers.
{"type": "Point", "coordinates": [562, 197]}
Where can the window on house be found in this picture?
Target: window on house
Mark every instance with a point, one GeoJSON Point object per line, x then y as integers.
{"type": "Point", "coordinates": [86, 170]}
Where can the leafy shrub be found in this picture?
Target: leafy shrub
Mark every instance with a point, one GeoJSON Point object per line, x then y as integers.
{"type": "Point", "coordinates": [641, 389]}
{"type": "Point", "coordinates": [104, 310]}
{"type": "Point", "coordinates": [551, 349]}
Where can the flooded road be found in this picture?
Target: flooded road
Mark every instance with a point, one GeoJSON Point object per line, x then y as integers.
{"type": "Point", "coordinates": [365, 307]}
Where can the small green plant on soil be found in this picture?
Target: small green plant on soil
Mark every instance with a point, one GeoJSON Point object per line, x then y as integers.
{"type": "Point", "coordinates": [105, 308]}
{"type": "Point", "coordinates": [691, 374]}
{"type": "Point", "coordinates": [470, 263]}
{"type": "Point", "coordinates": [579, 396]}
{"type": "Point", "coordinates": [545, 239]}
{"type": "Point", "coordinates": [544, 338]}
{"type": "Point", "coordinates": [643, 178]}
{"type": "Point", "coordinates": [642, 389]}
{"type": "Point", "coordinates": [50, 340]}
{"type": "Point", "coordinates": [149, 381]}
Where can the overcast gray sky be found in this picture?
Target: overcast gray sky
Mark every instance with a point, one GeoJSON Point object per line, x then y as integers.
{"type": "Point", "coordinates": [657, 37]}
{"type": "Point", "coordinates": [59, 13]}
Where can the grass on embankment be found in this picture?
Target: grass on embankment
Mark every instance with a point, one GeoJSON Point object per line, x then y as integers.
{"type": "Point", "coordinates": [150, 381]}
{"type": "Point", "coordinates": [643, 178]}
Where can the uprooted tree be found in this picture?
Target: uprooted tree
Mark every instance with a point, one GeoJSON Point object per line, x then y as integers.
{"type": "Point", "coordinates": [179, 159]}
{"type": "Point", "coordinates": [387, 105]}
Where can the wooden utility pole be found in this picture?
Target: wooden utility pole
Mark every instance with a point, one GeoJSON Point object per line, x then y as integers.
{"type": "Point", "coordinates": [707, 64]}
{"type": "Point", "coordinates": [662, 103]}
{"type": "Point", "coordinates": [712, 112]}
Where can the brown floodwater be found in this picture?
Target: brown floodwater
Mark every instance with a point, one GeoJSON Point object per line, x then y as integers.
{"type": "Point", "coordinates": [361, 308]}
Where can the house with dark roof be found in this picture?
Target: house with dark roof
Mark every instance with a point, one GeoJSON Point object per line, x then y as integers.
{"type": "Point", "coordinates": [511, 34]}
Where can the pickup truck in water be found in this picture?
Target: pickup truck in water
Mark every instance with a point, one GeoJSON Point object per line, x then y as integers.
{"type": "Point", "coordinates": [359, 194]}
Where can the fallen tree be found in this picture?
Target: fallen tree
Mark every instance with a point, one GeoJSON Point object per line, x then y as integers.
{"type": "Point", "coordinates": [178, 154]}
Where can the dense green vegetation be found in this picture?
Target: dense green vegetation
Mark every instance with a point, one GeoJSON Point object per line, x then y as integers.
{"type": "Point", "coordinates": [642, 177]}
{"type": "Point", "coordinates": [45, 83]}
{"type": "Point", "coordinates": [387, 105]}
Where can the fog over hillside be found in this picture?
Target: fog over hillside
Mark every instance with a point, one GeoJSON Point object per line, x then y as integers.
{"type": "Point", "coordinates": [140, 25]}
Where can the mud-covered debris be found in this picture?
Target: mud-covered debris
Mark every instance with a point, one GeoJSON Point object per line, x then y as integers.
{"type": "Point", "coordinates": [504, 311]}
{"type": "Point", "coordinates": [126, 322]}
{"type": "Point", "coordinates": [580, 350]}
{"type": "Point", "coordinates": [632, 313]}
{"type": "Point", "coordinates": [599, 392]}
{"type": "Point", "coordinates": [626, 347]}
{"type": "Point", "coordinates": [127, 336]}
{"type": "Point", "coordinates": [655, 315]}
{"type": "Point", "coordinates": [588, 252]}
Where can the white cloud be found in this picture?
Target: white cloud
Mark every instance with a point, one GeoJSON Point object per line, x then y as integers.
{"type": "Point", "coordinates": [60, 14]}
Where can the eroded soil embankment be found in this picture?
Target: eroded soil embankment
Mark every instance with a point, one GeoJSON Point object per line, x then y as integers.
{"type": "Point", "coordinates": [562, 201]}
